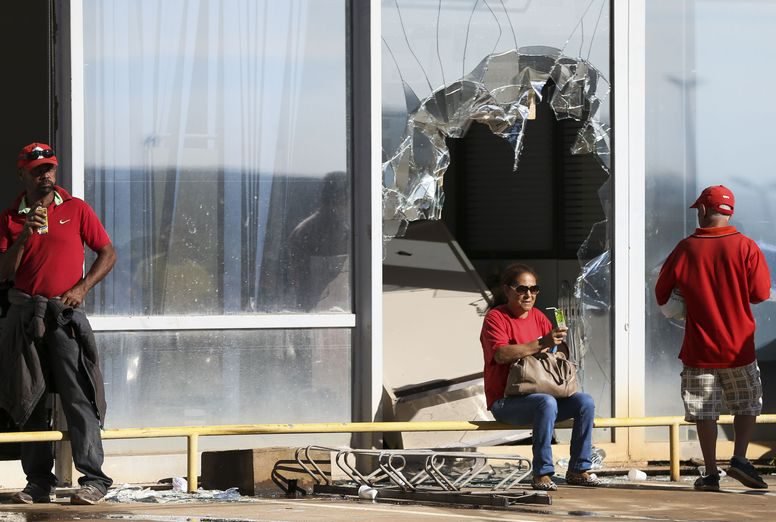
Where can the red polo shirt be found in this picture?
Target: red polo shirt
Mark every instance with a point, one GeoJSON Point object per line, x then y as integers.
{"type": "Point", "coordinates": [501, 328]}
{"type": "Point", "coordinates": [719, 271]}
{"type": "Point", "coordinates": [53, 263]}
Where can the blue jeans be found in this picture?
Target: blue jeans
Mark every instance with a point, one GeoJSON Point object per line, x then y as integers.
{"type": "Point", "coordinates": [542, 411]}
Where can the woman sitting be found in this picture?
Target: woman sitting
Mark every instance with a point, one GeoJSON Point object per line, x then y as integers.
{"type": "Point", "coordinates": [513, 329]}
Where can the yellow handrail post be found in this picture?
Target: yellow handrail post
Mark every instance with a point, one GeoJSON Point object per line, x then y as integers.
{"type": "Point", "coordinates": [675, 451]}
{"type": "Point", "coordinates": [193, 468]}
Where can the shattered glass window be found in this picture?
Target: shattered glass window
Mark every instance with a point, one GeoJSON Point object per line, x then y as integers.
{"type": "Point", "coordinates": [448, 65]}
{"type": "Point", "coordinates": [704, 128]}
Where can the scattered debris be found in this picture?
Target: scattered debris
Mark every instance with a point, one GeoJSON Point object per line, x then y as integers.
{"type": "Point", "coordinates": [129, 493]}
{"type": "Point", "coordinates": [597, 456]}
{"type": "Point", "coordinates": [636, 475]}
{"type": "Point", "coordinates": [367, 492]}
{"type": "Point", "coordinates": [180, 485]}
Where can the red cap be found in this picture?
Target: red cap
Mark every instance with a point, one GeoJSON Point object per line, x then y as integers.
{"type": "Point", "coordinates": [718, 198]}
{"type": "Point", "coordinates": [35, 154]}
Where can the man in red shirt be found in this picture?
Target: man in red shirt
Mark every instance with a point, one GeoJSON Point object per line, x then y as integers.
{"type": "Point", "coordinates": [42, 237]}
{"type": "Point", "coordinates": [718, 271]}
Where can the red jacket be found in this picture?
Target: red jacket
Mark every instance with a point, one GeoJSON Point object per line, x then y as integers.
{"type": "Point", "coordinates": [719, 271]}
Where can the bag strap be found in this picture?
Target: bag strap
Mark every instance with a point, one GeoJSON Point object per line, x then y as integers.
{"type": "Point", "coordinates": [551, 366]}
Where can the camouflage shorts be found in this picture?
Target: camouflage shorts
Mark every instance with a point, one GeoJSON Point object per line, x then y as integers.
{"type": "Point", "coordinates": [705, 389]}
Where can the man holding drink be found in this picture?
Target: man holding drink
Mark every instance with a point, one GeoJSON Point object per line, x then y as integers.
{"type": "Point", "coordinates": [47, 343]}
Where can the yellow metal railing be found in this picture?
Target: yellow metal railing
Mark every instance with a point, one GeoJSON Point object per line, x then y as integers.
{"type": "Point", "coordinates": [192, 433]}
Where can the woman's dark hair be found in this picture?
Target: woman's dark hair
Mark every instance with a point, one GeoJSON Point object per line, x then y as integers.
{"type": "Point", "coordinates": [508, 277]}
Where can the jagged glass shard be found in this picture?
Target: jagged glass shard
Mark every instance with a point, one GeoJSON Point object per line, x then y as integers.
{"type": "Point", "coordinates": [393, 228]}
{"type": "Point", "coordinates": [411, 99]}
{"type": "Point", "coordinates": [497, 93]}
{"type": "Point", "coordinates": [424, 154]}
{"type": "Point", "coordinates": [393, 202]}
{"type": "Point", "coordinates": [596, 243]}
{"type": "Point", "coordinates": [593, 285]}
{"type": "Point", "coordinates": [593, 138]}
{"type": "Point", "coordinates": [401, 167]}
{"type": "Point", "coordinates": [571, 81]}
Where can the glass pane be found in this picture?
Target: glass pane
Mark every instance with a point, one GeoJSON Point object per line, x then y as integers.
{"type": "Point", "coordinates": [226, 377]}
{"type": "Point", "coordinates": [503, 66]}
{"type": "Point", "coordinates": [719, 133]}
{"type": "Point", "coordinates": [216, 155]}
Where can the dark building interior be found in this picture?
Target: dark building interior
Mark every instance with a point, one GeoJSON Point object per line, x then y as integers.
{"type": "Point", "coordinates": [26, 48]}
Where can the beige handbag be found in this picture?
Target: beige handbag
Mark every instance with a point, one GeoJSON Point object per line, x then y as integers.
{"type": "Point", "coordinates": [545, 372]}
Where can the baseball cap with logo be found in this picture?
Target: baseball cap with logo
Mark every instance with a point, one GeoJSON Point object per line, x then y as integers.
{"type": "Point", "coordinates": [718, 198]}
{"type": "Point", "coordinates": [35, 154]}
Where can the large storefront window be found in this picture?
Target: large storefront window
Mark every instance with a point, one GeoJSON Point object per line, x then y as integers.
{"type": "Point", "coordinates": [708, 63]}
{"type": "Point", "coordinates": [496, 121]}
{"type": "Point", "coordinates": [216, 154]}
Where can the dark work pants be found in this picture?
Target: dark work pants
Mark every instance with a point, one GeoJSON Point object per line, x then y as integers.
{"type": "Point", "coordinates": [73, 386]}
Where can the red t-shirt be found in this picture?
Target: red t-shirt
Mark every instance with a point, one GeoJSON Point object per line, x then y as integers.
{"type": "Point", "coordinates": [719, 271]}
{"type": "Point", "coordinates": [53, 263]}
{"type": "Point", "coordinates": [501, 328]}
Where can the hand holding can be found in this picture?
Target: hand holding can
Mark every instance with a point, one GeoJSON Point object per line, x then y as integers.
{"type": "Point", "coordinates": [42, 212]}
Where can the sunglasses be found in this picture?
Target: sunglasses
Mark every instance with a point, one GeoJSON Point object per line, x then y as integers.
{"type": "Point", "coordinates": [522, 289]}
{"type": "Point", "coordinates": [37, 154]}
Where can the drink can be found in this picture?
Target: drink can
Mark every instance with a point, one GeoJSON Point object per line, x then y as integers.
{"type": "Point", "coordinates": [43, 211]}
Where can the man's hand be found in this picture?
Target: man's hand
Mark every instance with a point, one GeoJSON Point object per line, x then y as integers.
{"type": "Point", "coordinates": [32, 222]}
{"type": "Point", "coordinates": [106, 258]}
{"type": "Point", "coordinates": [76, 295]}
{"type": "Point", "coordinates": [12, 258]}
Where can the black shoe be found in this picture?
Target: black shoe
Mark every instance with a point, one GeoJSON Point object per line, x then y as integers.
{"type": "Point", "coordinates": [743, 471]}
{"type": "Point", "coordinates": [87, 496]}
{"type": "Point", "coordinates": [32, 493]}
{"type": "Point", "coordinates": [707, 483]}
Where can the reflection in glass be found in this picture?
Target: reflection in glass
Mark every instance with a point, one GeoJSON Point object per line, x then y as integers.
{"type": "Point", "coordinates": [319, 250]}
{"type": "Point", "coordinates": [691, 48]}
{"type": "Point", "coordinates": [210, 127]}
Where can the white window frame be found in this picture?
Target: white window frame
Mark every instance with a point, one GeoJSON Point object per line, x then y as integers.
{"type": "Point", "coordinates": [629, 310]}
{"type": "Point", "coordinates": [107, 323]}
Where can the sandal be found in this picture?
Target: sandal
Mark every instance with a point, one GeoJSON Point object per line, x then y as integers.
{"type": "Point", "coordinates": [544, 483]}
{"type": "Point", "coordinates": [582, 478]}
